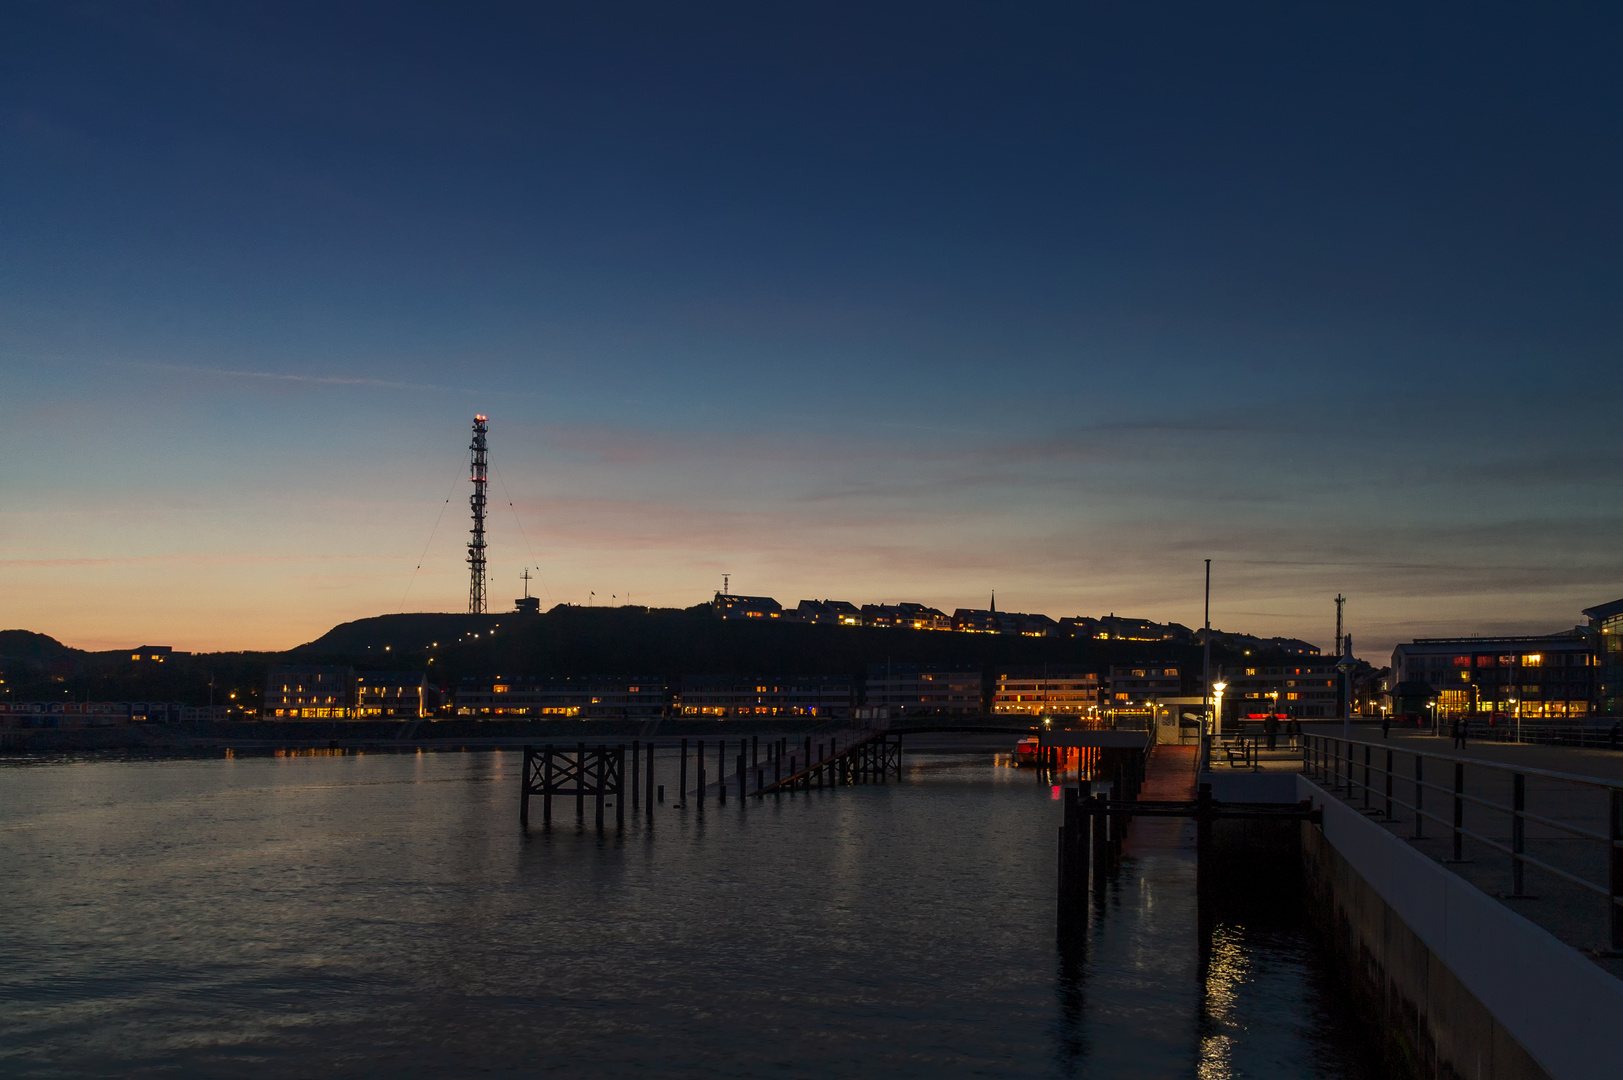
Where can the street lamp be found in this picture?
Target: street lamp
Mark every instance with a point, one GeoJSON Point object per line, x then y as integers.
{"type": "Point", "coordinates": [1346, 666]}
{"type": "Point", "coordinates": [1217, 706]}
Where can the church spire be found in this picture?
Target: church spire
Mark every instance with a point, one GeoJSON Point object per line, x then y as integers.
{"type": "Point", "coordinates": [994, 602]}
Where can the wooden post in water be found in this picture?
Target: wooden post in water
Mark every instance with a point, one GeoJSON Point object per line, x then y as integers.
{"type": "Point", "coordinates": [698, 763]}
{"type": "Point", "coordinates": [600, 763]}
{"type": "Point", "coordinates": [580, 782]}
{"type": "Point", "coordinates": [546, 786]}
{"type": "Point", "coordinates": [743, 774]}
{"type": "Point", "coordinates": [648, 796]}
{"type": "Point", "coordinates": [721, 771]}
{"type": "Point", "coordinates": [620, 789]}
{"type": "Point", "coordinates": [755, 750]}
{"type": "Point", "coordinates": [636, 771]}
{"type": "Point", "coordinates": [809, 761]}
{"type": "Point", "coordinates": [682, 782]}
{"type": "Point", "coordinates": [524, 791]}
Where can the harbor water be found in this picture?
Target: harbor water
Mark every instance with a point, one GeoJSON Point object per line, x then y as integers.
{"type": "Point", "coordinates": [350, 914]}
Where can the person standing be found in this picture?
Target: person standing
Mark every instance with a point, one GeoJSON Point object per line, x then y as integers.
{"type": "Point", "coordinates": [1270, 727]}
{"type": "Point", "coordinates": [1386, 724]}
{"type": "Point", "coordinates": [1454, 731]}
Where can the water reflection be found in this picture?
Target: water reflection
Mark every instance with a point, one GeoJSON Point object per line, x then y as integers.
{"type": "Point", "coordinates": [363, 913]}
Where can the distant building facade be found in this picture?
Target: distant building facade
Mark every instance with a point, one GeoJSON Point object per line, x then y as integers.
{"type": "Point", "coordinates": [724, 697]}
{"type": "Point", "coordinates": [905, 617]}
{"type": "Point", "coordinates": [1039, 692]}
{"type": "Point", "coordinates": [295, 692]}
{"type": "Point", "coordinates": [152, 654]}
{"type": "Point", "coordinates": [729, 606]}
{"type": "Point", "coordinates": [1535, 677]}
{"type": "Point", "coordinates": [391, 695]}
{"type": "Point", "coordinates": [826, 613]}
{"type": "Point", "coordinates": [915, 689]}
{"type": "Point", "coordinates": [85, 714]}
{"type": "Point", "coordinates": [1296, 687]}
{"type": "Point", "coordinates": [628, 698]}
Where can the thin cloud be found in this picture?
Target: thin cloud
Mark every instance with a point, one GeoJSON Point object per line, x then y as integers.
{"type": "Point", "coordinates": [285, 377]}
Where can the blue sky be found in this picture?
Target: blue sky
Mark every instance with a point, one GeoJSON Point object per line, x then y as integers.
{"type": "Point", "coordinates": [876, 302]}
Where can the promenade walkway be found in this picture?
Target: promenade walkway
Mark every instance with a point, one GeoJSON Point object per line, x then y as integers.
{"type": "Point", "coordinates": [1572, 914]}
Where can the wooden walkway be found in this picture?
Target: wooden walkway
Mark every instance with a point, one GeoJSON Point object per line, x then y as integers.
{"type": "Point", "coordinates": [1169, 776]}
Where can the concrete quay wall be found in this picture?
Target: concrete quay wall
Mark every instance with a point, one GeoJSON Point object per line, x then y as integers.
{"type": "Point", "coordinates": [1460, 985]}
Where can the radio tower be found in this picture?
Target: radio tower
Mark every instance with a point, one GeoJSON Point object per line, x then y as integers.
{"type": "Point", "coordinates": [476, 545]}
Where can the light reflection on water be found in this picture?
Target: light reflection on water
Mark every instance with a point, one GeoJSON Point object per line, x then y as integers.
{"type": "Point", "coordinates": [346, 914]}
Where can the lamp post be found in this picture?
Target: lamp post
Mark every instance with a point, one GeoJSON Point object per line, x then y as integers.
{"type": "Point", "coordinates": [1217, 706]}
{"type": "Point", "coordinates": [1346, 665]}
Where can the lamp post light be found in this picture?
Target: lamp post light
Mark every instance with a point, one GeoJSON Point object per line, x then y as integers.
{"type": "Point", "coordinates": [1217, 706]}
{"type": "Point", "coordinates": [1346, 665]}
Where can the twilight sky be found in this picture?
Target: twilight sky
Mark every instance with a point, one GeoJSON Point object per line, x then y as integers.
{"type": "Point", "coordinates": [878, 303]}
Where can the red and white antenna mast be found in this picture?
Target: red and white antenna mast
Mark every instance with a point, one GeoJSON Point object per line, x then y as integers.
{"type": "Point", "coordinates": [476, 502]}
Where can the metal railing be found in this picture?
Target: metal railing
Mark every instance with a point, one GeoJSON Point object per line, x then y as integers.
{"type": "Point", "coordinates": [1372, 773]}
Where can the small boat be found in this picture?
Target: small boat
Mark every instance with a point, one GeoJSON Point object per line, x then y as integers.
{"type": "Point", "coordinates": [1027, 751]}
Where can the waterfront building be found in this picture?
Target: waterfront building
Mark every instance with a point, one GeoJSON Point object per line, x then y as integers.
{"type": "Point", "coordinates": [1132, 690]}
{"type": "Point", "coordinates": [79, 714]}
{"type": "Point", "coordinates": [826, 613]}
{"type": "Point", "coordinates": [1039, 692]}
{"type": "Point", "coordinates": [1549, 676]}
{"type": "Point", "coordinates": [725, 697]}
{"type": "Point", "coordinates": [729, 606]}
{"type": "Point", "coordinates": [546, 697]}
{"type": "Point", "coordinates": [914, 689]}
{"type": "Point", "coordinates": [1298, 687]}
{"type": "Point", "coordinates": [296, 692]}
{"type": "Point", "coordinates": [391, 695]}
{"type": "Point", "coordinates": [1606, 639]}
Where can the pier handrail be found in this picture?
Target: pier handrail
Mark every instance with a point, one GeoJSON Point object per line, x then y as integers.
{"type": "Point", "coordinates": [1334, 760]}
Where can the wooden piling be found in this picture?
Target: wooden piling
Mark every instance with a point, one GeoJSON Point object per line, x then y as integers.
{"type": "Point", "coordinates": [620, 793]}
{"type": "Point", "coordinates": [524, 791]}
{"type": "Point", "coordinates": [648, 797]}
{"type": "Point", "coordinates": [636, 771]}
{"type": "Point", "coordinates": [546, 786]}
{"type": "Point", "coordinates": [698, 762]}
{"type": "Point", "coordinates": [755, 750]}
{"type": "Point", "coordinates": [580, 786]}
{"type": "Point", "coordinates": [682, 782]}
{"type": "Point", "coordinates": [599, 799]}
{"type": "Point", "coordinates": [721, 771]}
{"type": "Point", "coordinates": [743, 774]}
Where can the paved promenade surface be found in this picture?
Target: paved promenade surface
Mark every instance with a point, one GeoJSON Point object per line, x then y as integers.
{"type": "Point", "coordinates": [1573, 914]}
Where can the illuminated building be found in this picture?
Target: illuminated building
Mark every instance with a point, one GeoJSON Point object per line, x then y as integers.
{"type": "Point", "coordinates": [309, 693]}
{"type": "Point", "coordinates": [391, 695]}
{"type": "Point", "coordinates": [1114, 627]}
{"type": "Point", "coordinates": [729, 606]}
{"type": "Point", "coordinates": [911, 689]}
{"type": "Point", "coordinates": [152, 654]}
{"type": "Point", "coordinates": [1131, 689]}
{"type": "Point", "coordinates": [1533, 677]}
{"type": "Point", "coordinates": [993, 621]}
{"type": "Point", "coordinates": [1291, 686]}
{"type": "Point", "coordinates": [725, 697]}
{"type": "Point", "coordinates": [1039, 692]}
{"type": "Point", "coordinates": [905, 617]}
{"type": "Point", "coordinates": [1606, 639]}
{"type": "Point", "coordinates": [826, 612]}
{"type": "Point", "coordinates": [630, 698]}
